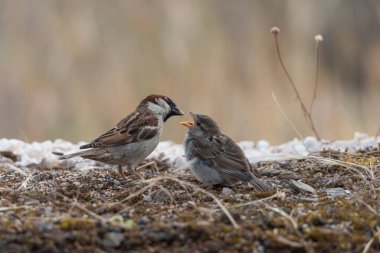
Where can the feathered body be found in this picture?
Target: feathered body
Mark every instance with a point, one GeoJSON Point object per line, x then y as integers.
{"type": "Point", "coordinates": [134, 137]}
{"type": "Point", "coordinates": [215, 157]}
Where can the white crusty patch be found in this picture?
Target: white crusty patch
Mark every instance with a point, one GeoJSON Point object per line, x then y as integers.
{"type": "Point", "coordinates": [173, 154]}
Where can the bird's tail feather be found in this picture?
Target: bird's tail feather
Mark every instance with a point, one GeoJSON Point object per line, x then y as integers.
{"type": "Point", "coordinates": [260, 185]}
{"type": "Point", "coordinates": [80, 153]}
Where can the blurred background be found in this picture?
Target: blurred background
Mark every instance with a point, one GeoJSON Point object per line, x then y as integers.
{"type": "Point", "coordinates": [72, 69]}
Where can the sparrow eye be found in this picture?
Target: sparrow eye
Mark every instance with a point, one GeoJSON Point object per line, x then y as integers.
{"type": "Point", "coordinates": [198, 124]}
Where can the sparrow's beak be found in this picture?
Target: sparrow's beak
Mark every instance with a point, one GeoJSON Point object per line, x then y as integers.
{"type": "Point", "coordinates": [189, 123]}
{"type": "Point", "coordinates": [176, 111]}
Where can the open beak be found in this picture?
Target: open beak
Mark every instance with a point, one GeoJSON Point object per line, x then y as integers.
{"type": "Point", "coordinates": [189, 123]}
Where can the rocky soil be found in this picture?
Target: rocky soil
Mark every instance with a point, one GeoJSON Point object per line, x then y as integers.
{"type": "Point", "coordinates": [327, 201]}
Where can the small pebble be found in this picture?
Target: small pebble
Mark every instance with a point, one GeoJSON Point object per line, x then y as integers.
{"type": "Point", "coordinates": [227, 191]}
{"type": "Point", "coordinates": [113, 239]}
{"type": "Point", "coordinates": [337, 192]}
{"type": "Point", "coordinates": [48, 211]}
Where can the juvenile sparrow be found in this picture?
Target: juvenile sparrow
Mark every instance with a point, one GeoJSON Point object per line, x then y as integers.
{"type": "Point", "coordinates": [216, 158]}
{"type": "Point", "coordinates": [134, 137]}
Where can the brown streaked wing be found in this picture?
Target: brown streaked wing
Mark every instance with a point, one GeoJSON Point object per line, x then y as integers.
{"type": "Point", "coordinates": [135, 127]}
{"type": "Point", "coordinates": [224, 155]}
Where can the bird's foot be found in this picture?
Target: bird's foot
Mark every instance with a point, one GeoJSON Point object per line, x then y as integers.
{"type": "Point", "coordinates": [121, 172]}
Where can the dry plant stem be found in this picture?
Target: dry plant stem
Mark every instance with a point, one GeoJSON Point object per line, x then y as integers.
{"type": "Point", "coordinates": [15, 169]}
{"type": "Point", "coordinates": [288, 121]}
{"type": "Point", "coordinates": [218, 202]}
{"type": "Point", "coordinates": [167, 192]}
{"type": "Point", "coordinates": [306, 113]}
{"type": "Point", "coordinates": [316, 76]}
{"type": "Point", "coordinates": [98, 217]}
{"type": "Point", "coordinates": [350, 166]}
{"type": "Point", "coordinates": [11, 208]}
{"type": "Point", "coordinates": [141, 191]}
{"type": "Point", "coordinates": [151, 182]}
{"type": "Point", "coordinates": [24, 184]}
{"type": "Point", "coordinates": [259, 201]}
{"type": "Point", "coordinates": [347, 165]}
{"type": "Point", "coordinates": [280, 195]}
{"type": "Point", "coordinates": [370, 242]}
{"type": "Point", "coordinates": [288, 242]}
{"type": "Point", "coordinates": [81, 207]}
{"type": "Point", "coordinates": [370, 208]}
{"type": "Point", "coordinates": [377, 134]}
{"type": "Point", "coordinates": [306, 245]}
{"type": "Point", "coordinates": [146, 165]}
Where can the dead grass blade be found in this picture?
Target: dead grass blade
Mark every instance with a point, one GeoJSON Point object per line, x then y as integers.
{"type": "Point", "coordinates": [305, 244]}
{"type": "Point", "coordinates": [353, 167]}
{"type": "Point", "coordinates": [25, 183]}
{"type": "Point", "coordinates": [370, 208]}
{"type": "Point", "coordinates": [156, 180]}
{"type": "Point", "coordinates": [370, 242]}
{"type": "Point", "coordinates": [286, 117]}
{"type": "Point", "coordinates": [377, 133]}
{"type": "Point", "coordinates": [15, 169]}
{"type": "Point", "coordinates": [12, 208]}
{"type": "Point", "coordinates": [280, 195]}
{"type": "Point", "coordinates": [82, 208]}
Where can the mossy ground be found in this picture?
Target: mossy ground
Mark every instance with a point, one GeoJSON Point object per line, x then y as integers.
{"type": "Point", "coordinates": [62, 210]}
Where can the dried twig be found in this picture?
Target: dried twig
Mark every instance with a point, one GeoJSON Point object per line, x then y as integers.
{"type": "Point", "coordinates": [377, 133]}
{"type": "Point", "coordinates": [286, 117]}
{"type": "Point", "coordinates": [306, 245]}
{"type": "Point", "coordinates": [11, 208]}
{"type": "Point", "coordinates": [348, 165]}
{"type": "Point", "coordinates": [283, 240]}
{"type": "Point", "coordinates": [318, 38]}
{"type": "Point", "coordinates": [370, 208]}
{"type": "Point", "coordinates": [167, 192]}
{"type": "Point", "coordinates": [146, 165]}
{"type": "Point", "coordinates": [139, 192]}
{"type": "Point", "coordinates": [25, 183]}
{"type": "Point", "coordinates": [14, 168]}
{"type": "Point", "coordinates": [280, 195]}
{"type": "Point", "coordinates": [153, 181]}
{"type": "Point", "coordinates": [84, 209]}
{"type": "Point", "coordinates": [370, 242]}
{"type": "Point", "coordinates": [275, 31]}
{"type": "Point", "coordinates": [289, 122]}
{"type": "Point", "coordinates": [81, 207]}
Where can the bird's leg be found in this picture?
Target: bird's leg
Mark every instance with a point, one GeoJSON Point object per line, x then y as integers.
{"type": "Point", "coordinates": [121, 172]}
{"type": "Point", "coordinates": [133, 170]}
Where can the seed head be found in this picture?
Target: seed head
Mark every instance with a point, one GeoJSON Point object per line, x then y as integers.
{"type": "Point", "coordinates": [318, 38]}
{"type": "Point", "coordinates": [275, 30]}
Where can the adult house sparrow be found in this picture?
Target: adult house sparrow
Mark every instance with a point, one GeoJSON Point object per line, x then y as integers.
{"type": "Point", "coordinates": [134, 137]}
{"type": "Point", "coordinates": [216, 158]}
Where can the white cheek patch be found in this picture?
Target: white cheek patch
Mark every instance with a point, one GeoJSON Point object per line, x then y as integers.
{"type": "Point", "coordinates": [155, 108]}
{"type": "Point", "coordinates": [160, 108]}
{"type": "Point", "coordinates": [163, 104]}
